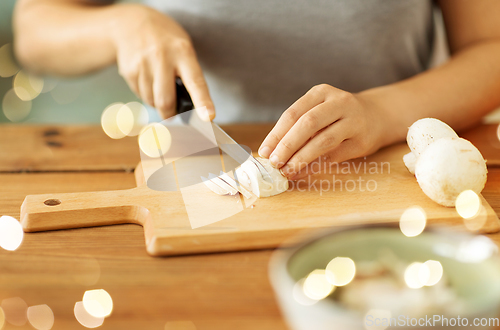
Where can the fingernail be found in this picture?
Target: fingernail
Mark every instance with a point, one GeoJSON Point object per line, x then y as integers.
{"type": "Point", "coordinates": [274, 160]}
{"type": "Point", "coordinates": [286, 171]}
{"type": "Point", "coordinates": [203, 113]}
{"type": "Point", "coordinates": [206, 113]}
{"type": "Point", "coordinates": [264, 152]}
{"type": "Point", "coordinates": [210, 114]}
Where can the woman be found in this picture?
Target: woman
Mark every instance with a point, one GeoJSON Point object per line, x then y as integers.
{"type": "Point", "coordinates": [361, 64]}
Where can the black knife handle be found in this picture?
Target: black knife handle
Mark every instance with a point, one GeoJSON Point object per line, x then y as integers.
{"type": "Point", "coordinates": [184, 102]}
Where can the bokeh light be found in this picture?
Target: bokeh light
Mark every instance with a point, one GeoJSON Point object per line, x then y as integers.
{"type": "Point", "coordinates": [131, 118]}
{"type": "Point", "coordinates": [180, 325]}
{"type": "Point", "coordinates": [380, 314]}
{"type": "Point", "coordinates": [8, 66]}
{"type": "Point", "coordinates": [316, 286]}
{"type": "Point", "coordinates": [498, 132]}
{"type": "Point", "coordinates": [49, 84]}
{"type": "Point", "coordinates": [340, 271]}
{"type": "Point", "coordinates": [84, 318]}
{"type": "Point", "coordinates": [155, 140]}
{"type": "Point", "coordinates": [435, 272]}
{"type": "Point", "coordinates": [14, 108]}
{"type": "Point", "coordinates": [412, 222]}
{"type": "Point", "coordinates": [468, 204]}
{"type": "Point", "coordinates": [41, 317]}
{"type": "Point", "coordinates": [109, 121]}
{"type": "Point", "coordinates": [416, 275]}
{"type": "Point", "coordinates": [98, 303]}
{"type": "Point", "coordinates": [424, 274]}
{"type": "Point", "coordinates": [15, 310]}
{"type": "Point", "coordinates": [299, 296]}
{"type": "Point", "coordinates": [476, 250]}
{"type": "Point", "coordinates": [477, 222]}
{"type": "Point", "coordinates": [11, 233]}
{"type": "Point", "coordinates": [27, 87]}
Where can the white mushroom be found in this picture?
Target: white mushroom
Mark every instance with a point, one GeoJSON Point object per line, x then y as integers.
{"type": "Point", "coordinates": [444, 164]}
{"type": "Point", "coordinates": [248, 179]}
{"type": "Point", "coordinates": [249, 176]}
{"type": "Point", "coordinates": [410, 160]}
{"type": "Point", "coordinates": [216, 186]}
{"type": "Point", "coordinates": [224, 185]}
{"type": "Point", "coordinates": [449, 166]}
{"type": "Point", "coordinates": [425, 131]}
{"type": "Point", "coordinates": [230, 181]}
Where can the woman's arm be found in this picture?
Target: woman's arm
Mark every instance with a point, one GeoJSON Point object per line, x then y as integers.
{"type": "Point", "coordinates": [464, 89]}
{"type": "Point", "coordinates": [340, 125]}
{"type": "Point", "coordinates": [72, 37]}
{"type": "Point", "coordinates": [64, 37]}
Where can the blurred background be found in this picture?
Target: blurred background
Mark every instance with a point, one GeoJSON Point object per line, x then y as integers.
{"type": "Point", "coordinates": [53, 100]}
{"type": "Point", "coordinates": [28, 99]}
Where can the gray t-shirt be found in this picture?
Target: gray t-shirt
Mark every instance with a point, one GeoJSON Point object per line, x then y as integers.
{"type": "Point", "coordinates": [260, 56]}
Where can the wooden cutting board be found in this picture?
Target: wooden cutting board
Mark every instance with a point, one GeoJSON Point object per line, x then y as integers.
{"type": "Point", "coordinates": [263, 223]}
{"type": "Point", "coordinates": [487, 139]}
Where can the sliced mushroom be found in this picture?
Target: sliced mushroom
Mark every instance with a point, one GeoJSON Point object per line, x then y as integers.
{"type": "Point", "coordinates": [225, 185]}
{"type": "Point", "coordinates": [249, 176]}
{"type": "Point", "coordinates": [229, 190]}
{"type": "Point", "coordinates": [214, 187]}
{"type": "Point", "coordinates": [233, 183]}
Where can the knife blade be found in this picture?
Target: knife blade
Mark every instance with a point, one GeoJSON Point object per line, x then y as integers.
{"type": "Point", "coordinates": [224, 141]}
{"type": "Point", "coordinates": [236, 151]}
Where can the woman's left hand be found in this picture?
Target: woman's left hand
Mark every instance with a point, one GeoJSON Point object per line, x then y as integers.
{"type": "Point", "coordinates": [326, 122]}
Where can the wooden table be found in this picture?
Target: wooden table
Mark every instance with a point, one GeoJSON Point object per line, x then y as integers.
{"type": "Point", "coordinates": [215, 291]}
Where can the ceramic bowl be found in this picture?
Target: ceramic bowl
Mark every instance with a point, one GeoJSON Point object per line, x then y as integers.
{"type": "Point", "coordinates": [470, 266]}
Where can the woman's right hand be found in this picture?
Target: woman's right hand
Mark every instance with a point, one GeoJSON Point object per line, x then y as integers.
{"type": "Point", "coordinates": [151, 51]}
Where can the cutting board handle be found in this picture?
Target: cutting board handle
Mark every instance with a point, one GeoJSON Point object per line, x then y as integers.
{"type": "Point", "coordinates": [76, 210]}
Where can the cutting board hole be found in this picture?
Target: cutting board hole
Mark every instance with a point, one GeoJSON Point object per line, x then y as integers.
{"type": "Point", "coordinates": [52, 202]}
{"type": "Point", "coordinates": [51, 132]}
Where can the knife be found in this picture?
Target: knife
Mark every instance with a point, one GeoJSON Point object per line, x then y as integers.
{"type": "Point", "coordinates": [224, 141]}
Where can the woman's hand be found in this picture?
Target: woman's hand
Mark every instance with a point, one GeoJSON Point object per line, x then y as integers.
{"type": "Point", "coordinates": [152, 50]}
{"type": "Point", "coordinates": [326, 122]}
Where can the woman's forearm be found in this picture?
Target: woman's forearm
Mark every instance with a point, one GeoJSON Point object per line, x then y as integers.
{"type": "Point", "coordinates": [459, 92]}
{"type": "Point", "coordinates": [65, 37]}
{"type": "Point", "coordinates": [72, 37]}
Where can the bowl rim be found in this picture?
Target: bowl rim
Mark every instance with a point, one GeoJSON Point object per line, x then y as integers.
{"type": "Point", "coordinates": [278, 269]}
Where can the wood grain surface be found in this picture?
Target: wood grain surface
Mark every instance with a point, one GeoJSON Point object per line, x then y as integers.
{"type": "Point", "coordinates": [487, 139]}
{"type": "Point", "coordinates": [213, 291]}
{"type": "Point", "coordinates": [374, 189]}
{"type": "Point", "coordinates": [25, 148]}
{"type": "Point", "coordinates": [219, 291]}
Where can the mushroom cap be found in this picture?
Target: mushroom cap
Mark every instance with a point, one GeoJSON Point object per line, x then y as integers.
{"type": "Point", "coordinates": [449, 166]}
{"type": "Point", "coordinates": [425, 131]}
{"type": "Point", "coordinates": [410, 160]}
